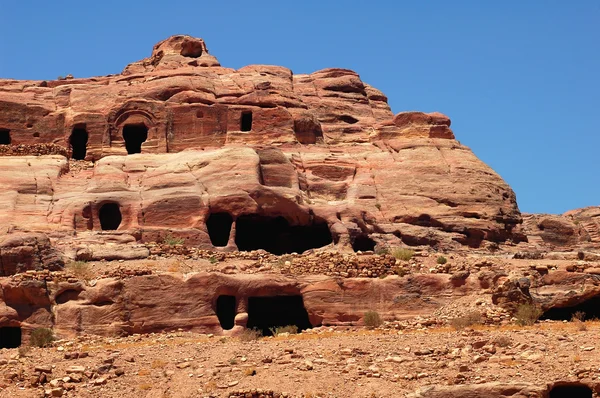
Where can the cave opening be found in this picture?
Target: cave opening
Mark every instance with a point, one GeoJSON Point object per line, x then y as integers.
{"type": "Point", "coordinates": [134, 135]}
{"type": "Point", "coordinates": [246, 121]}
{"type": "Point", "coordinates": [110, 216]}
{"type": "Point", "coordinates": [78, 141]}
{"type": "Point", "coordinates": [363, 243]}
{"type": "Point", "coordinates": [269, 312]}
{"type": "Point", "coordinates": [571, 391]}
{"type": "Point", "coordinates": [226, 311]}
{"type": "Point", "coordinates": [67, 295]}
{"type": "Point", "coordinates": [10, 337]}
{"type": "Point", "coordinates": [587, 309]}
{"type": "Point", "coordinates": [348, 119]}
{"type": "Point", "coordinates": [219, 228]}
{"type": "Point", "coordinates": [5, 137]}
{"type": "Point", "coordinates": [191, 49]}
{"type": "Point", "coordinates": [275, 235]}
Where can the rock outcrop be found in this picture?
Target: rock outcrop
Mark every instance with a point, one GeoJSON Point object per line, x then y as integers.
{"type": "Point", "coordinates": [24, 252]}
{"type": "Point", "coordinates": [577, 229]}
{"type": "Point", "coordinates": [122, 306]}
{"type": "Point", "coordinates": [259, 148]}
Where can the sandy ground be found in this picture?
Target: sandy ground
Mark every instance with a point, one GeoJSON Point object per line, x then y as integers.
{"type": "Point", "coordinates": [320, 363]}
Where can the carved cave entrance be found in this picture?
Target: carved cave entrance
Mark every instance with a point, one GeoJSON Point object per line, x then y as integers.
{"type": "Point", "coordinates": [10, 337]}
{"type": "Point", "coordinates": [571, 391]}
{"type": "Point", "coordinates": [246, 121]}
{"type": "Point", "coordinates": [134, 135]}
{"type": "Point", "coordinates": [110, 216]}
{"type": "Point", "coordinates": [226, 311]}
{"type": "Point", "coordinates": [590, 307]}
{"type": "Point", "coordinates": [363, 243]}
{"type": "Point", "coordinates": [78, 141]}
{"type": "Point", "coordinates": [269, 312]}
{"type": "Point", "coordinates": [275, 235]}
{"type": "Point", "coordinates": [4, 137]}
{"type": "Point", "coordinates": [219, 228]}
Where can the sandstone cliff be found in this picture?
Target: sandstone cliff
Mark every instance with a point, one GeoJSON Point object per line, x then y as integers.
{"type": "Point", "coordinates": [316, 158]}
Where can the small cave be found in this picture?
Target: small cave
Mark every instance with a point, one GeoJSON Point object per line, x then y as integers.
{"type": "Point", "coordinates": [575, 390]}
{"type": "Point", "coordinates": [5, 137]}
{"type": "Point", "coordinates": [348, 119]}
{"type": "Point", "coordinates": [78, 142]}
{"type": "Point", "coordinates": [590, 308]}
{"type": "Point", "coordinates": [66, 296]}
{"type": "Point", "coordinates": [275, 235]}
{"type": "Point", "coordinates": [10, 337]}
{"type": "Point", "coordinates": [363, 243]}
{"type": "Point", "coordinates": [219, 228]}
{"type": "Point", "coordinates": [425, 220]}
{"type": "Point", "coordinates": [110, 216]}
{"type": "Point", "coordinates": [246, 121]}
{"type": "Point", "coordinates": [473, 238]}
{"type": "Point", "coordinates": [226, 311]}
{"type": "Point", "coordinates": [134, 135]}
{"type": "Point", "coordinates": [265, 313]}
{"type": "Point", "coordinates": [191, 49]}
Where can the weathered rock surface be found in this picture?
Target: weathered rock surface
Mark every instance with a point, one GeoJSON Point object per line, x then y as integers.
{"type": "Point", "coordinates": [23, 252]}
{"type": "Point", "coordinates": [208, 160]}
{"type": "Point", "coordinates": [260, 141]}
{"type": "Point", "coordinates": [575, 229]}
{"type": "Point", "coordinates": [488, 390]}
{"type": "Point", "coordinates": [141, 304]}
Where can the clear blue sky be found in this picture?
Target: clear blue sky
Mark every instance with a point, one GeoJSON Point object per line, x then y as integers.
{"type": "Point", "coordinates": [519, 79]}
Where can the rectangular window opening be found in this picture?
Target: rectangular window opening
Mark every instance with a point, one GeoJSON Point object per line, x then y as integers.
{"type": "Point", "coordinates": [5, 137]}
{"type": "Point", "coordinates": [246, 121]}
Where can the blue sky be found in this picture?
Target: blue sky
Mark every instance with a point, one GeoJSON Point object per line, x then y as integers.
{"type": "Point", "coordinates": [519, 79]}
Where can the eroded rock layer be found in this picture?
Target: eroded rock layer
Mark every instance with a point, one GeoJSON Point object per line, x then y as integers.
{"type": "Point", "coordinates": [181, 145]}
{"type": "Point", "coordinates": [140, 304]}
{"type": "Point", "coordinates": [578, 228]}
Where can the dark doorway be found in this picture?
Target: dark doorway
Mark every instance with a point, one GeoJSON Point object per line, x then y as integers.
{"type": "Point", "coordinates": [265, 313]}
{"type": "Point", "coordinates": [571, 391]}
{"type": "Point", "coordinates": [110, 216]}
{"type": "Point", "coordinates": [219, 228]}
{"type": "Point", "coordinates": [246, 121]}
{"type": "Point", "coordinates": [226, 311]}
{"type": "Point", "coordinates": [275, 235]}
{"type": "Point", "coordinates": [591, 309]}
{"type": "Point", "coordinates": [78, 141]}
{"type": "Point", "coordinates": [4, 137]}
{"type": "Point", "coordinates": [134, 135]}
{"type": "Point", "coordinates": [363, 243]}
{"type": "Point", "coordinates": [10, 337]}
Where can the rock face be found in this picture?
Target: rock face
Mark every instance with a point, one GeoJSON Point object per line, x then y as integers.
{"type": "Point", "coordinates": [22, 252]}
{"type": "Point", "coordinates": [316, 158]}
{"type": "Point", "coordinates": [578, 228]}
{"type": "Point", "coordinates": [141, 304]}
{"type": "Point", "coordinates": [490, 390]}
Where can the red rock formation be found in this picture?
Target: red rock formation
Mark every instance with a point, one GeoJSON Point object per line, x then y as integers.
{"type": "Point", "coordinates": [260, 141]}
{"type": "Point", "coordinates": [140, 304]}
{"type": "Point", "coordinates": [488, 390]}
{"type": "Point", "coordinates": [575, 229]}
{"type": "Point", "coordinates": [22, 252]}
